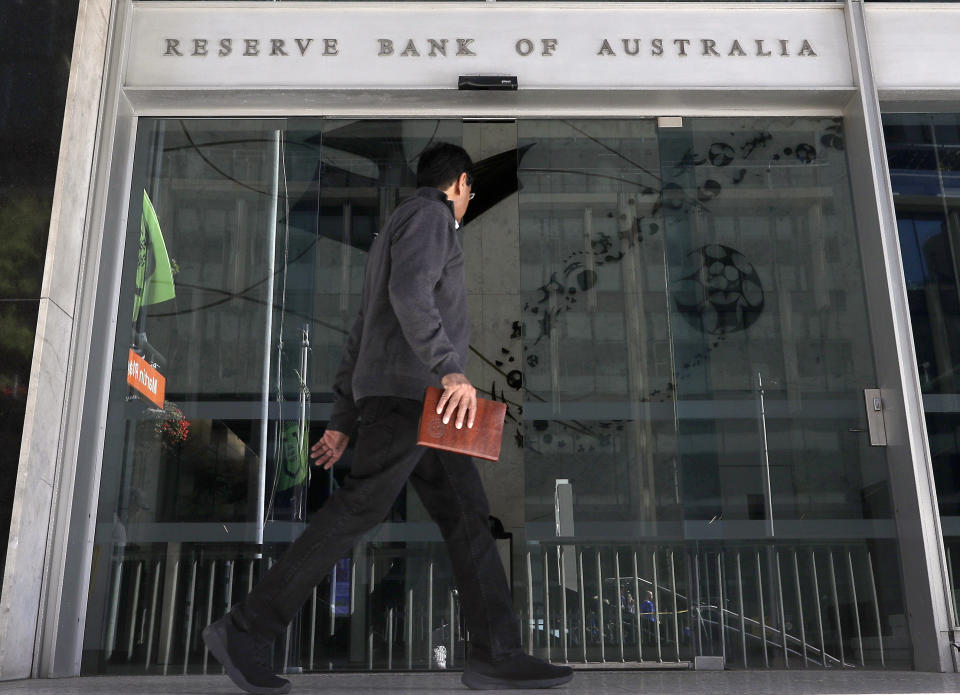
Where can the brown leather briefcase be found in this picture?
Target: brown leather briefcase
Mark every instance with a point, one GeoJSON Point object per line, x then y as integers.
{"type": "Point", "coordinates": [482, 440]}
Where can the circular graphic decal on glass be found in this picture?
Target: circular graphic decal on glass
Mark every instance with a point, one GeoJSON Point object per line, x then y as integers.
{"type": "Point", "coordinates": [721, 293]}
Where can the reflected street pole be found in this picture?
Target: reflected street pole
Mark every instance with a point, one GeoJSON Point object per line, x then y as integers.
{"type": "Point", "coordinates": [775, 600]}
{"type": "Point", "coordinates": [302, 428]}
{"type": "Point", "coordinates": [767, 492]}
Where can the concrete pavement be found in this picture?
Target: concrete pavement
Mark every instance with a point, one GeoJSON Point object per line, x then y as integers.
{"type": "Point", "coordinates": [590, 682]}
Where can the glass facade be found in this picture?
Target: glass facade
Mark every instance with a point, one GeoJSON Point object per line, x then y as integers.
{"type": "Point", "coordinates": [923, 152]}
{"type": "Point", "coordinates": [675, 317]}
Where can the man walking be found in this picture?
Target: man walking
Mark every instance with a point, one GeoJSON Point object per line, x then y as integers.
{"type": "Point", "coordinates": [412, 331]}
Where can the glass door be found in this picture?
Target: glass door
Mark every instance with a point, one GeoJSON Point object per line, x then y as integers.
{"type": "Point", "coordinates": [675, 318]}
{"type": "Point", "coordinates": [698, 475]}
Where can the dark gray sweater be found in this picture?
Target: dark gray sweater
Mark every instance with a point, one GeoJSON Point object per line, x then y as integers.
{"type": "Point", "coordinates": [413, 328]}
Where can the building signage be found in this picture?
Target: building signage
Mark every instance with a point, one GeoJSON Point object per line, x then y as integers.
{"type": "Point", "coordinates": [145, 379]}
{"type": "Point", "coordinates": [423, 45]}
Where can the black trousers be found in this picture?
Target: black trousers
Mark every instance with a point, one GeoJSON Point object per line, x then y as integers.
{"type": "Point", "coordinates": [386, 456]}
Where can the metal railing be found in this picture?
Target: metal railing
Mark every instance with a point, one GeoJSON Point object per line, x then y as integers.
{"type": "Point", "coordinates": [757, 607]}
{"type": "Point", "coordinates": [761, 606]}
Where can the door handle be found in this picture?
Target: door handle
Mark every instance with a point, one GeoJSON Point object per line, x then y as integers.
{"type": "Point", "coordinates": [873, 401]}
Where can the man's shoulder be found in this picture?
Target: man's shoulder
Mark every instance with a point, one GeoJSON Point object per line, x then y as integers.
{"type": "Point", "coordinates": [418, 208]}
{"type": "Point", "coordinates": [418, 201]}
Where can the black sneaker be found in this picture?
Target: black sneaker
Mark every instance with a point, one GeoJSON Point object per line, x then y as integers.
{"type": "Point", "coordinates": [246, 656]}
{"type": "Point", "coordinates": [515, 672]}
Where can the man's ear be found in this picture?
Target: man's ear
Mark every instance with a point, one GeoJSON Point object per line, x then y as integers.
{"type": "Point", "coordinates": [461, 182]}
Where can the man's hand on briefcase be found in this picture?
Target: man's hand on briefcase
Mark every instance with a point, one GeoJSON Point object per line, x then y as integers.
{"type": "Point", "coordinates": [329, 448]}
{"type": "Point", "coordinates": [459, 400]}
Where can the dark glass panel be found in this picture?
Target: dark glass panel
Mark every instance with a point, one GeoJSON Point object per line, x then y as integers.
{"type": "Point", "coordinates": [923, 152]}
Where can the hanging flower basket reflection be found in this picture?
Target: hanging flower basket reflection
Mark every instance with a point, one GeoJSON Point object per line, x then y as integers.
{"type": "Point", "coordinates": [171, 427]}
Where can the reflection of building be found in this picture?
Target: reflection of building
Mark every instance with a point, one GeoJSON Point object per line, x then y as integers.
{"type": "Point", "coordinates": [686, 316]}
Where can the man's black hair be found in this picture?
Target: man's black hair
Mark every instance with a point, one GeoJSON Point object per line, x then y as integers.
{"type": "Point", "coordinates": [441, 165]}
